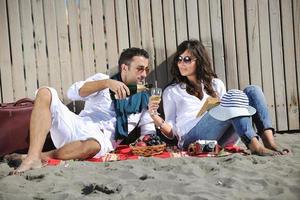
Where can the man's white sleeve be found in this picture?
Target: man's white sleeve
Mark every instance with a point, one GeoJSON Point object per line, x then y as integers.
{"type": "Point", "coordinates": [146, 123]}
{"type": "Point", "coordinates": [73, 91]}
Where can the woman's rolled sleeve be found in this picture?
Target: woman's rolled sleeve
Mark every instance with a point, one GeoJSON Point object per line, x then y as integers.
{"type": "Point", "coordinates": [170, 110]}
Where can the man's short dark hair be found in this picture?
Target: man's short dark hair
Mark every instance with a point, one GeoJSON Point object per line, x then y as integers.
{"type": "Point", "coordinates": [127, 55]}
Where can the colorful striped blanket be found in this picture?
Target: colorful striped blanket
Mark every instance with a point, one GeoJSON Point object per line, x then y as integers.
{"type": "Point", "coordinates": [123, 152]}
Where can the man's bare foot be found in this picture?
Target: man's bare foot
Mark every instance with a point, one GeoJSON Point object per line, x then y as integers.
{"type": "Point", "coordinates": [27, 164]}
{"type": "Point", "coordinates": [269, 142]}
{"type": "Point", "coordinates": [258, 149]}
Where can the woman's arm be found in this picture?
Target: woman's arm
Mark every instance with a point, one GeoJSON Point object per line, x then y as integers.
{"type": "Point", "coordinates": [165, 128]}
{"type": "Point", "coordinates": [219, 87]}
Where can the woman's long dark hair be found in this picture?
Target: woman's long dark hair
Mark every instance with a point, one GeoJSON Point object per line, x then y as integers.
{"type": "Point", "coordinates": [204, 72]}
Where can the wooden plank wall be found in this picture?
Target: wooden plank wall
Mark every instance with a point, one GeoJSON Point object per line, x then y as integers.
{"type": "Point", "coordinates": [59, 42]}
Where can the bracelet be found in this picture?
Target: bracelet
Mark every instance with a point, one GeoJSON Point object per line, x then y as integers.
{"type": "Point", "coordinates": [161, 125]}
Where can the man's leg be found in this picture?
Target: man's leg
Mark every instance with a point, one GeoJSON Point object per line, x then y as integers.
{"type": "Point", "coordinates": [40, 123]}
{"type": "Point", "coordinates": [88, 149]}
{"type": "Point", "coordinates": [72, 136]}
{"type": "Point", "coordinates": [74, 150]}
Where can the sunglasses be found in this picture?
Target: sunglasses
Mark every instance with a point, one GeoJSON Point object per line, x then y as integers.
{"type": "Point", "coordinates": [186, 59]}
{"type": "Point", "coordinates": [141, 69]}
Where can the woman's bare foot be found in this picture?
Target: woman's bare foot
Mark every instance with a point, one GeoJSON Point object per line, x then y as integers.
{"type": "Point", "coordinates": [27, 164]}
{"type": "Point", "coordinates": [258, 149]}
{"type": "Point", "coordinates": [269, 142]}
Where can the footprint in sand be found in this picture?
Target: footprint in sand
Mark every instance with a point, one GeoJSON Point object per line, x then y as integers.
{"type": "Point", "coordinates": [256, 161]}
{"type": "Point", "coordinates": [145, 176]}
{"type": "Point", "coordinates": [164, 168]}
{"type": "Point", "coordinates": [36, 178]}
{"type": "Point", "coordinates": [107, 189]}
{"type": "Point", "coordinates": [226, 182]}
{"type": "Point", "coordinates": [256, 185]}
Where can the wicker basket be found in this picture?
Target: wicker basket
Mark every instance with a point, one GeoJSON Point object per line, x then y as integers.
{"type": "Point", "coordinates": [148, 150]}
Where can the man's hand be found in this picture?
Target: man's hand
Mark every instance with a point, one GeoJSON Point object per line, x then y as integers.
{"type": "Point", "coordinates": [119, 88]}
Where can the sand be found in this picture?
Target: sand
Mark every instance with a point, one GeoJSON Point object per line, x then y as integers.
{"type": "Point", "coordinates": [232, 177]}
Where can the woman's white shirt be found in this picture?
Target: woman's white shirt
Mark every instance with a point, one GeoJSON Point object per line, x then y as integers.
{"type": "Point", "coordinates": [181, 108]}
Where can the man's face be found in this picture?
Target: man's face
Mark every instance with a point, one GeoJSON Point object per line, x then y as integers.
{"type": "Point", "coordinates": [137, 70]}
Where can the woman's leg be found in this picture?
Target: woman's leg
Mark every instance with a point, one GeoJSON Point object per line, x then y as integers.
{"type": "Point", "coordinates": [262, 119]}
{"type": "Point", "coordinates": [243, 127]}
{"type": "Point", "coordinates": [229, 138]}
{"type": "Point", "coordinates": [209, 128]}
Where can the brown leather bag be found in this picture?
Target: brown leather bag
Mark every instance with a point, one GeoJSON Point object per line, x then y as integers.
{"type": "Point", "coordinates": [14, 126]}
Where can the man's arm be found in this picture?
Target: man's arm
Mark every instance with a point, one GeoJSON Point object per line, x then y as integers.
{"type": "Point", "coordinates": [94, 86]}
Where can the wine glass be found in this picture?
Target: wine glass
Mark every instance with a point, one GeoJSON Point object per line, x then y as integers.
{"type": "Point", "coordinates": [156, 96]}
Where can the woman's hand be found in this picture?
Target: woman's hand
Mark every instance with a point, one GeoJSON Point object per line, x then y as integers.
{"type": "Point", "coordinates": [153, 105]}
{"type": "Point", "coordinates": [164, 127]}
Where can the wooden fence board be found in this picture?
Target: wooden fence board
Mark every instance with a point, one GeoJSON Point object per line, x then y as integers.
{"type": "Point", "coordinates": [111, 36]}
{"type": "Point", "coordinates": [289, 63]}
{"type": "Point", "coordinates": [87, 38]}
{"type": "Point", "coordinates": [277, 57]}
{"type": "Point", "coordinates": [40, 43]}
{"type": "Point", "coordinates": [159, 43]}
{"type": "Point", "coordinates": [52, 46]}
{"type": "Point", "coordinates": [266, 57]}
{"type": "Point", "coordinates": [122, 25]}
{"type": "Point", "coordinates": [28, 47]}
{"type": "Point", "coordinates": [16, 50]}
{"type": "Point", "coordinates": [146, 31]}
{"type": "Point", "coordinates": [181, 21]}
{"type": "Point", "coordinates": [63, 46]}
{"type": "Point", "coordinates": [296, 14]}
{"type": "Point", "coordinates": [253, 42]}
{"type": "Point", "coordinates": [170, 33]}
{"type": "Point", "coordinates": [204, 21]}
{"type": "Point", "coordinates": [134, 23]}
{"type": "Point", "coordinates": [5, 64]}
{"type": "Point", "coordinates": [99, 38]}
{"type": "Point", "coordinates": [241, 44]}
{"type": "Point", "coordinates": [192, 19]}
{"type": "Point", "coordinates": [217, 39]}
{"type": "Point", "coordinates": [76, 54]}
{"type": "Point", "coordinates": [229, 44]}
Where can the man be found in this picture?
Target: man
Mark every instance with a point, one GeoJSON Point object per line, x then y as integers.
{"type": "Point", "coordinates": [93, 131]}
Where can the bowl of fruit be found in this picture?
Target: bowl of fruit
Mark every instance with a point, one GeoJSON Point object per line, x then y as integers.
{"type": "Point", "coordinates": [148, 145]}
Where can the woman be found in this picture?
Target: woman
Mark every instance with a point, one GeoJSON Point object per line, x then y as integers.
{"type": "Point", "coordinates": [194, 81]}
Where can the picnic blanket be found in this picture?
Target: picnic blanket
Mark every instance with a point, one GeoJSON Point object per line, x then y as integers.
{"type": "Point", "coordinates": [123, 152]}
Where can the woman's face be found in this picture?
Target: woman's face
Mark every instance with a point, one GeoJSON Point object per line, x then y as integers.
{"type": "Point", "coordinates": [186, 63]}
